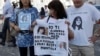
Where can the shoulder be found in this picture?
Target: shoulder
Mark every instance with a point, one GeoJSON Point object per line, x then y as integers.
{"type": "Point", "coordinates": [62, 20]}
{"type": "Point", "coordinates": [70, 8]}
{"type": "Point", "coordinates": [46, 18]}
{"type": "Point", "coordinates": [18, 10]}
{"type": "Point", "coordinates": [91, 7]}
{"type": "Point", "coordinates": [34, 8]}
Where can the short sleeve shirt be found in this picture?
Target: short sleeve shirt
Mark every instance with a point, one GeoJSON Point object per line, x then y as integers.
{"type": "Point", "coordinates": [24, 40]}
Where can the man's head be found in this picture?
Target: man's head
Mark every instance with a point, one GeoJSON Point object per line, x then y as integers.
{"type": "Point", "coordinates": [78, 3]}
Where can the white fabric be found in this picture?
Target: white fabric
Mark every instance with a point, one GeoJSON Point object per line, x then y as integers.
{"type": "Point", "coordinates": [24, 21]}
{"type": "Point", "coordinates": [88, 14]}
{"type": "Point", "coordinates": [7, 9]}
{"type": "Point", "coordinates": [52, 21]}
{"type": "Point", "coordinates": [42, 22]}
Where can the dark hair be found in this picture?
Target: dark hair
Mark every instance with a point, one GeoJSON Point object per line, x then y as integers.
{"type": "Point", "coordinates": [14, 4]}
{"type": "Point", "coordinates": [42, 12]}
{"type": "Point", "coordinates": [59, 8]}
{"type": "Point", "coordinates": [21, 5]}
{"type": "Point", "coordinates": [41, 28]}
{"type": "Point", "coordinates": [74, 23]}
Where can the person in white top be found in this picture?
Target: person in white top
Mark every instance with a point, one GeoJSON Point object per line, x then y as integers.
{"type": "Point", "coordinates": [7, 13]}
{"type": "Point", "coordinates": [57, 13]}
{"type": "Point", "coordinates": [7, 9]}
{"type": "Point", "coordinates": [82, 17]}
{"type": "Point", "coordinates": [46, 10]}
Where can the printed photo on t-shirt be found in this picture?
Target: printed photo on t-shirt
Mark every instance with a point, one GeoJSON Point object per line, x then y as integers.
{"type": "Point", "coordinates": [42, 31]}
{"type": "Point", "coordinates": [24, 21]}
{"type": "Point", "coordinates": [77, 23]}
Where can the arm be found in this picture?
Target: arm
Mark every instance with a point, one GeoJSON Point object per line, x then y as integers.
{"type": "Point", "coordinates": [33, 25]}
{"type": "Point", "coordinates": [12, 24]}
{"type": "Point", "coordinates": [96, 17]}
{"type": "Point", "coordinates": [95, 36]}
{"type": "Point", "coordinates": [98, 22]}
{"type": "Point", "coordinates": [95, 14]}
{"type": "Point", "coordinates": [70, 34]}
{"type": "Point", "coordinates": [14, 27]}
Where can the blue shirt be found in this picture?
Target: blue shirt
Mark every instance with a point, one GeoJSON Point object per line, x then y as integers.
{"type": "Point", "coordinates": [25, 40]}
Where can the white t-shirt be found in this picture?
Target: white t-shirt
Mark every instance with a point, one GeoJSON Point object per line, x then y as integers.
{"type": "Point", "coordinates": [43, 22]}
{"type": "Point", "coordinates": [51, 20]}
{"type": "Point", "coordinates": [82, 20]}
{"type": "Point", "coordinates": [7, 9]}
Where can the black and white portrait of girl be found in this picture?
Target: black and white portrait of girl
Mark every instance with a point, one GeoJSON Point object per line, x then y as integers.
{"type": "Point", "coordinates": [42, 31]}
{"type": "Point", "coordinates": [24, 18]}
{"type": "Point", "coordinates": [77, 23]}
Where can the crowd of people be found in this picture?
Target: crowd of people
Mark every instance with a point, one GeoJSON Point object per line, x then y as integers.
{"type": "Point", "coordinates": [79, 18]}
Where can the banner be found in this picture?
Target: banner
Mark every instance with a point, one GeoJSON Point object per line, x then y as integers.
{"type": "Point", "coordinates": [52, 40]}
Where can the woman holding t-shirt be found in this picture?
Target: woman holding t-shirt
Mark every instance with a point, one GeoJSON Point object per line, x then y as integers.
{"type": "Point", "coordinates": [21, 22]}
{"type": "Point", "coordinates": [57, 12]}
